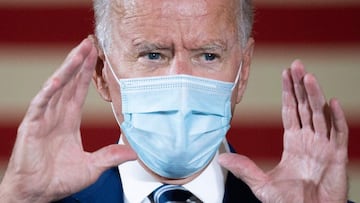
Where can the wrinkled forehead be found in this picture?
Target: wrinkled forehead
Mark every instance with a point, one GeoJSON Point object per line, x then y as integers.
{"type": "Point", "coordinates": [176, 8]}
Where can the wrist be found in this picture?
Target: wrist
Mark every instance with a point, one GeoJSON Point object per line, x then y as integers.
{"type": "Point", "coordinates": [8, 195]}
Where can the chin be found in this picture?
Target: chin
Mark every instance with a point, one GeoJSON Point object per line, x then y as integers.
{"type": "Point", "coordinates": [165, 180]}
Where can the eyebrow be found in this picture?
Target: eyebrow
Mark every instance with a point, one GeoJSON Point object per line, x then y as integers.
{"type": "Point", "coordinates": [145, 46]}
{"type": "Point", "coordinates": [212, 45]}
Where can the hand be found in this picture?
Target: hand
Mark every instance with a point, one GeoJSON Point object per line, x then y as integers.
{"type": "Point", "coordinates": [313, 166]}
{"type": "Point", "coordinates": [48, 161]}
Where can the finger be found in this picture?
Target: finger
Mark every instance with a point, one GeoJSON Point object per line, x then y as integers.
{"type": "Point", "coordinates": [289, 105]}
{"type": "Point", "coordinates": [71, 65]}
{"type": "Point", "coordinates": [340, 127]}
{"type": "Point", "coordinates": [75, 64]}
{"type": "Point", "coordinates": [318, 105]}
{"type": "Point", "coordinates": [110, 156]}
{"type": "Point", "coordinates": [57, 80]}
{"type": "Point", "coordinates": [85, 76]}
{"type": "Point", "coordinates": [243, 168]}
{"type": "Point", "coordinates": [297, 75]}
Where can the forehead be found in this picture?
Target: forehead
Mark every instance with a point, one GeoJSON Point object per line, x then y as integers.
{"type": "Point", "coordinates": [176, 9]}
{"type": "Point", "coordinates": [181, 8]}
{"type": "Point", "coordinates": [191, 22]}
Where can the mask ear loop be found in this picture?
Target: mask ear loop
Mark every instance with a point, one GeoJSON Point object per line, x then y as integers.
{"type": "Point", "coordinates": [111, 68]}
{"type": "Point", "coordinates": [113, 73]}
{"type": "Point", "coordinates": [238, 76]}
{"type": "Point", "coordinates": [237, 79]}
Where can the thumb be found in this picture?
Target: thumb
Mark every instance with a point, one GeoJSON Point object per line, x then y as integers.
{"type": "Point", "coordinates": [244, 168]}
{"type": "Point", "coordinates": [110, 156]}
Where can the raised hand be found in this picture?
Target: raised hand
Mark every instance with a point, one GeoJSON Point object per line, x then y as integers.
{"type": "Point", "coordinates": [48, 161]}
{"type": "Point", "coordinates": [313, 166]}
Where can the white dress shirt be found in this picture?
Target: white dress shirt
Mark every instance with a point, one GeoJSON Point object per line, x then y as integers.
{"type": "Point", "coordinates": [138, 183]}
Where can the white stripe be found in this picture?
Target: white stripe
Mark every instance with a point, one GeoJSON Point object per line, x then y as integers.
{"type": "Point", "coordinates": [336, 67]}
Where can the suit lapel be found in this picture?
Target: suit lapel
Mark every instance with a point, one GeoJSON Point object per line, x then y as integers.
{"type": "Point", "coordinates": [108, 188]}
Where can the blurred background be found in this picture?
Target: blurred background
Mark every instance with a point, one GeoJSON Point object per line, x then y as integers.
{"type": "Point", "coordinates": [36, 35]}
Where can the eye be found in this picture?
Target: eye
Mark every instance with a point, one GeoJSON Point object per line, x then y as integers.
{"type": "Point", "coordinates": [153, 56]}
{"type": "Point", "coordinates": [210, 57]}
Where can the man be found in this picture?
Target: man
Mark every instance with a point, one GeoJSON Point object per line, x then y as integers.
{"type": "Point", "coordinates": [173, 72]}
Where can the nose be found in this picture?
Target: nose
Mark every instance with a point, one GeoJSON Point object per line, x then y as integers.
{"type": "Point", "coordinates": [180, 65]}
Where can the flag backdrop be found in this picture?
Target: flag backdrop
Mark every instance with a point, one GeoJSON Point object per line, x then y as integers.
{"type": "Point", "coordinates": [36, 35]}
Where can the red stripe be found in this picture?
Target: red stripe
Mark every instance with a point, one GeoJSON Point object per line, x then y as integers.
{"type": "Point", "coordinates": [255, 141]}
{"type": "Point", "coordinates": [308, 25]}
{"type": "Point", "coordinates": [273, 25]}
{"type": "Point", "coordinates": [45, 25]}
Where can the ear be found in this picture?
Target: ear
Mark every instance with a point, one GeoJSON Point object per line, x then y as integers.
{"type": "Point", "coordinates": [98, 78]}
{"type": "Point", "coordinates": [245, 70]}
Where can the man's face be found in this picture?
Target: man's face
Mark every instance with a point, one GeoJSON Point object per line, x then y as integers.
{"type": "Point", "coordinates": [162, 37]}
{"type": "Point", "coordinates": [152, 38]}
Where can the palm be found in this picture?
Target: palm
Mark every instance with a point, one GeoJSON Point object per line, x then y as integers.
{"type": "Point", "coordinates": [48, 161]}
{"type": "Point", "coordinates": [313, 163]}
{"type": "Point", "coordinates": [308, 164]}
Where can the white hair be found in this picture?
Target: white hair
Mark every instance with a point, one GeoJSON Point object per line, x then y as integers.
{"type": "Point", "coordinates": [102, 10]}
{"type": "Point", "coordinates": [245, 20]}
{"type": "Point", "coordinates": [103, 23]}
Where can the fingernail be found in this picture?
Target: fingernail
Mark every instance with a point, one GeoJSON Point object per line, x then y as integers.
{"type": "Point", "coordinates": [90, 37]}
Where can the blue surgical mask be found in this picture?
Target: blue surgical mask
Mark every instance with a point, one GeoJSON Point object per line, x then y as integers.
{"type": "Point", "coordinates": [175, 123]}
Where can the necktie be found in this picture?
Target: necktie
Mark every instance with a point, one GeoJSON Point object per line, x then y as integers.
{"type": "Point", "coordinates": [173, 194]}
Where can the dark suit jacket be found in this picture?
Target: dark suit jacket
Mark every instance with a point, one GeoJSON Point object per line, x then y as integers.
{"type": "Point", "coordinates": [108, 189]}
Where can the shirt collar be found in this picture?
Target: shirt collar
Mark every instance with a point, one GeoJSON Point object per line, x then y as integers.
{"type": "Point", "coordinates": [138, 183]}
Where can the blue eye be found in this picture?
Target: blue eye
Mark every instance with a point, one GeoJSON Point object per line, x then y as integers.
{"type": "Point", "coordinates": [210, 57]}
{"type": "Point", "coordinates": [154, 56]}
